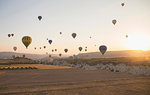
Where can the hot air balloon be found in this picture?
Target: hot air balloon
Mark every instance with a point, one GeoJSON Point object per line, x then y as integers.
{"type": "Point", "coordinates": [44, 46]}
{"type": "Point", "coordinates": [9, 35]}
{"type": "Point", "coordinates": [49, 55]}
{"type": "Point", "coordinates": [52, 50]}
{"type": "Point", "coordinates": [75, 57]}
{"type": "Point", "coordinates": [23, 55]}
{"type": "Point", "coordinates": [80, 48]}
{"type": "Point", "coordinates": [102, 49]}
{"type": "Point", "coordinates": [90, 37]}
{"type": "Point", "coordinates": [85, 49]}
{"type": "Point", "coordinates": [126, 36]}
{"type": "Point", "coordinates": [66, 50]}
{"type": "Point", "coordinates": [12, 35]}
{"type": "Point", "coordinates": [26, 41]}
{"type": "Point", "coordinates": [122, 4]}
{"type": "Point", "coordinates": [51, 60]}
{"type": "Point", "coordinates": [114, 21]}
{"type": "Point", "coordinates": [55, 49]}
{"type": "Point", "coordinates": [60, 33]}
{"type": "Point", "coordinates": [35, 48]}
{"type": "Point", "coordinates": [15, 48]}
{"type": "Point", "coordinates": [47, 38]}
{"type": "Point", "coordinates": [40, 18]}
{"type": "Point", "coordinates": [50, 41]}
{"type": "Point", "coordinates": [74, 35]}
{"type": "Point", "coordinates": [60, 54]}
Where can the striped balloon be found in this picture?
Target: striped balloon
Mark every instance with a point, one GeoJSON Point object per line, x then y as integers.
{"type": "Point", "coordinates": [26, 40]}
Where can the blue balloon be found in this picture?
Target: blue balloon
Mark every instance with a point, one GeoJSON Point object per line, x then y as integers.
{"type": "Point", "coordinates": [50, 41]}
{"type": "Point", "coordinates": [75, 57]}
{"type": "Point", "coordinates": [103, 49]}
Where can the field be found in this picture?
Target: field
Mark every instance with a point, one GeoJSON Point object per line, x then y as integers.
{"type": "Point", "coordinates": [64, 80]}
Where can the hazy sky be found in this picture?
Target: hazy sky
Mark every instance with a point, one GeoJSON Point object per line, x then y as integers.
{"type": "Point", "coordinates": [84, 17]}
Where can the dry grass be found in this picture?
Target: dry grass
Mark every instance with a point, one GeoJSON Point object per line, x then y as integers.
{"type": "Point", "coordinates": [39, 66]}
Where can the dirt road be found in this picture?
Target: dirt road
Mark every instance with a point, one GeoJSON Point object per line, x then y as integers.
{"type": "Point", "coordinates": [72, 82]}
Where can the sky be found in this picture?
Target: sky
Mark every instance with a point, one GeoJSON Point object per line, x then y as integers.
{"type": "Point", "coordinates": [86, 18]}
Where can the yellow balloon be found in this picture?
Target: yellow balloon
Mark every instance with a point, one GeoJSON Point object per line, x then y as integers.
{"type": "Point", "coordinates": [51, 60]}
{"type": "Point", "coordinates": [26, 40]}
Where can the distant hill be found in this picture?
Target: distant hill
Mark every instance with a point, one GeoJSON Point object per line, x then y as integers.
{"type": "Point", "coordinates": [112, 54]}
{"type": "Point", "coordinates": [8, 55]}
{"type": "Point", "coordinates": [108, 54]}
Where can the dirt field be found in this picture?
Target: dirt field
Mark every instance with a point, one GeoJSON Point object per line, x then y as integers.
{"type": "Point", "coordinates": [39, 66]}
{"type": "Point", "coordinates": [72, 82]}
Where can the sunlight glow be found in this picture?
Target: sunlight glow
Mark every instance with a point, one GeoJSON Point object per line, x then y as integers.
{"type": "Point", "coordinates": [138, 42]}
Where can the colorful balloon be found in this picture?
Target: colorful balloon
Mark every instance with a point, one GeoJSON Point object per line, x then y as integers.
{"type": "Point", "coordinates": [74, 35]}
{"type": "Point", "coordinates": [66, 50]}
{"type": "Point", "coordinates": [114, 21]}
{"type": "Point", "coordinates": [40, 18]}
{"type": "Point", "coordinates": [26, 40]}
{"type": "Point", "coordinates": [50, 41]}
{"type": "Point", "coordinates": [51, 60]}
{"type": "Point", "coordinates": [15, 48]}
{"type": "Point", "coordinates": [102, 49]}
{"type": "Point", "coordinates": [80, 48]}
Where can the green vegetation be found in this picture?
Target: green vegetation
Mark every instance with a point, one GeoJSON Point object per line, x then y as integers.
{"type": "Point", "coordinates": [17, 68]}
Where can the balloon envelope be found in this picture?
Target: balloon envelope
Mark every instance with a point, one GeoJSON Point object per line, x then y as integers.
{"type": "Point", "coordinates": [12, 35]}
{"type": "Point", "coordinates": [40, 18]}
{"type": "Point", "coordinates": [15, 48]}
{"type": "Point", "coordinates": [9, 35]}
{"type": "Point", "coordinates": [122, 4]}
{"type": "Point", "coordinates": [102, 49]}
{"type": "Point", "coordinates": [80, 48]}
{"type": "Point", "coordinates": [74, 35]}
{"type": "Point", "coordinates": [66, 50]}
{"type": "Point", "coordinates": [60, 54]}
{"type": "Point", "coordinates": [26, 40]}
{"type": "Point", "coordinates": [114, 21]}
{"type": "Point", "coordinates": [50, 41]}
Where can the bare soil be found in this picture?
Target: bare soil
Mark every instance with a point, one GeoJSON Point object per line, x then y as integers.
{"type": "Point", "coordinates": [72, 82]}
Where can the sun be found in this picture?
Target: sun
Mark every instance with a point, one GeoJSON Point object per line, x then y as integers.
{"type": "Point", "coordinates": [138, 42]}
